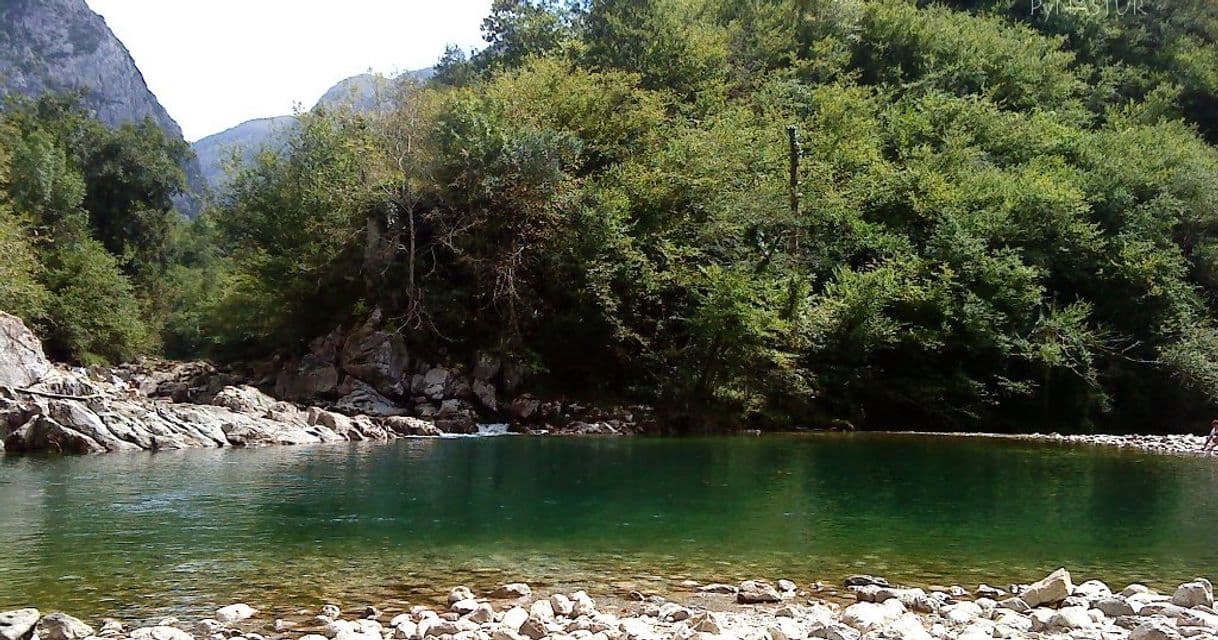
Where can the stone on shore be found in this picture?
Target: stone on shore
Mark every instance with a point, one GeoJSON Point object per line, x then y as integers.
{"type": "Point", "coordinates": [459, 593]}
{"type": "Point", "coordinates": [61, 626]}
{"type": "Point", "coordinates": [1049, 590]}
{"type": "Point", "coordinates": [1154, 629]}
{"type": "Point", "coordinates": [868, 616]}
{"type": "Point", "coordinates": [514, 618]}
{"type": "Point", "coordinates": [1115, 606]}
{"type": "Point", "coordinates": [17, 624]}
{"type": "Point", "coordinates": [1198, 592]}
{"type": "Point", "coordinates": [757, 592]}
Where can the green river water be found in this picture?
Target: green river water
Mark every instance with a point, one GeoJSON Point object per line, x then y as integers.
{"type": "Point", "coordinates": [143, 535]}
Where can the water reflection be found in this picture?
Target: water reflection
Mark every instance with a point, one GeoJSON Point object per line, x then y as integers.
{"type": "Point", "coordinates": [143, 534]}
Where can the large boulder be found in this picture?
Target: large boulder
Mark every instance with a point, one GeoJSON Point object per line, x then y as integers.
{"type": "Point", "coordinates": [17, 624]}
{"type": "Point", "coordinates": [309, 378]}
{"type": "Point", "coordinates": [408, 426]}
{"type": "Point", "coordinates": [61, 626]}
{"type": "Point", "coordinates": [362, 398]}
{"type": "Point", "coordinates": [22, 361]}
{"type": "Point", "coordinates": [45, 434]}
{"type": "Point", "coordinates": [244, 399]}
{"type": "Point", "coordinates": [757, 591]}
{"type": "Point", "coordinates": [1053, 588]}
{"type": "Point", "coordinates": [376, 356]}
{"type": "Point", "coordinates": [1196, 592]}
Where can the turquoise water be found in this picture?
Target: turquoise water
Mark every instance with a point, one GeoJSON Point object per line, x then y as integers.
{"type": "Point", "coordinates": [140, 535]}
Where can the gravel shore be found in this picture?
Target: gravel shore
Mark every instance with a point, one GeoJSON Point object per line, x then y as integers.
{"type": "Point", "coordinates": [871, 609]}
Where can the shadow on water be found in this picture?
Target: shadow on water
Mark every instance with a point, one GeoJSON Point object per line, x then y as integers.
{"type": "Point", "coordinates": [144, 534]}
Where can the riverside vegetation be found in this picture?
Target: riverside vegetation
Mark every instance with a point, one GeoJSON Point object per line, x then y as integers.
{"type": "Point", "coordinates": [1000, 218]}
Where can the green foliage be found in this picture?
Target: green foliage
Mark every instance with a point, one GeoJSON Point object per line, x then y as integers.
{"type": "Point", "coordinates": [1001, 220]}
{"type": "Point", "coordinates": [84, 211]}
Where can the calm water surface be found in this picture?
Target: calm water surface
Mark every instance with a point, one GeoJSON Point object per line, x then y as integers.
{"type": "Point", "coordinates": [141, 535]}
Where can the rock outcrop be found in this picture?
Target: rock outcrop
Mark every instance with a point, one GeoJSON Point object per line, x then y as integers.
{"type": "Point", "coordinates": [22, 361]}
{"type": "Point", "coordinates": [48, 408]}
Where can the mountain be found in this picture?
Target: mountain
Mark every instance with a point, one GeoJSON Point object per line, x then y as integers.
{"type": "Point", "coordinates": [363, 92]}
{"type": "Point", "coordinates": [247, 139]}
{"type": "Point", "coordinates": [62, 45]}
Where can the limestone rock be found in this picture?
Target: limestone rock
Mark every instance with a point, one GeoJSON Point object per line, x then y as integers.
{"type": "Point", "coordinates": [1052, 588]}
{"type": "Point", "coordinates": [867, 616]}
{"type": "Point", "coordinates": [1154, 630]}
{"type": "Point", "coordinates": [22, 361]}
{"type": "Point", "coordinates": [17, 624]}
{"type": "Point", "coordinates": [456, 594]}
{"type": "Point", "coordinates": [160, 632]}
{"type": "Point", "coordinates": [1198, 592]}
{"type": "Point", "coordinates": [863, 580]}
{"type": "Point", "coordinates": [376, 356]}
{"type": "Point", "coordinates": [513, 590]}
{"type": "Point", "coordinates": [363, 398]}
{"type": "Point", "coordinates": [307, 379]}
{"type": "Point", "coordinates": [61, 626]}
{"type": "Point", "coordinates": [757, 591]}
{"type": "Point", "coordinates": [1114, 606]}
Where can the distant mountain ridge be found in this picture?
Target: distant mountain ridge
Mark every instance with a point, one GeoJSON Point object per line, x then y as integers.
{"type": "Point", "coordinates": [62, 45]}
{"type": "Point", "coordinates": [363, 92]}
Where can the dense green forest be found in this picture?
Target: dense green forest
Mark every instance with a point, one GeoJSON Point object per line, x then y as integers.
{"type": "Point", "coordinates": [1006, 215]}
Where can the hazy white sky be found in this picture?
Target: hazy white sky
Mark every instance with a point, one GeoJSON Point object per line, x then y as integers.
{"type": "Point", "coordinates": [216, 63]}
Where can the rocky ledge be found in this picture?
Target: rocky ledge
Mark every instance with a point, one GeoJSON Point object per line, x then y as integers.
{"type": "Point", "coordinates": [1052, 608]}
{"type": "Point", "coordinates": [1170, 444]}
{"type": "Point", "coordinates": [170, 405]}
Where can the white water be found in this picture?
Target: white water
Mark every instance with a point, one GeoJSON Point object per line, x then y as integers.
{"type": "Point", "coordinates": [484, 431]}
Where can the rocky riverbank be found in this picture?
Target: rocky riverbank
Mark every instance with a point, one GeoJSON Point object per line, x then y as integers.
{"type": "Point", "coordinates": [1168, 444]}
{"type": "Point", "coordinates": [156, 405]}
{"type": "Point", "coordinates": [869, 608]}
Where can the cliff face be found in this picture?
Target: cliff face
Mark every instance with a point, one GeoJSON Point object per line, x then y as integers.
{"type": "Point", "coordinates": [61, 45]}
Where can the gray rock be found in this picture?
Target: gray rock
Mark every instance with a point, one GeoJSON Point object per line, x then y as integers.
{"type": "Point", "coordinates": [160, 632]}
{"type": "Point", "coordinates": [22, 361]}
{"type": "Point", "coordinates": [457, 594]}
{"type": "Point", "coordinates": [61, 626]}
{"type": "Point", "coordinates": [706, 622]}
{"type": "Point", "coordinates": [863, 580]}
{"type": "Point", "coordinates": [1052, 588]}
{"type": "Point", "coordinates": [1198, 592]}
{"type": "Point", "coordinates": [1154, 630]}
{"type": "Point", "coordinates": [18, 623]}
{"type": "Point", "coordinates": [1014, 604]}
{"type": "Point", "coordinates": [375, 356]}
{"type": "Point", "coordinates": [307, 379]}
{"type": "Point", "coordinates": [464, 607]}
{"type": "Point", "coordinates": [513, 618]}
{"type": "Point", "coordinates": [835, 631]}
{"type": "Point", "coordinates": [717, 587]}
{"type": "Point", "coordinates": [1072, 618]}
{"type": "Point", "coordinates": [513, 590]}
{"type": "Point", "coordinates": [363, 398]}
{"type": "Point", "coordinates": [1114, 606]}
{"type": "Point", "coordinates": [757, 591]}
